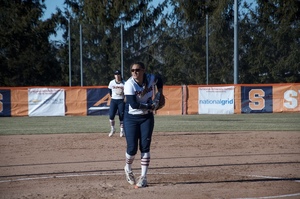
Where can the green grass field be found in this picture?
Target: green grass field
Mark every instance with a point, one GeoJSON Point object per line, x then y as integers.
{"type": "Point", "coordinates": [182, 123]}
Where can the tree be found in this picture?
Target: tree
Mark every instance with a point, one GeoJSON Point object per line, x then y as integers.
{"type": "Point", "coordinates": [272, 51]}
{"type": "Point", "coordinates": [188, 32]}
{"type": "Point", "coordinates": [171, 44]}
{"type": "Point", "coordinates": [221, 43]}
{"type": "Point", "coordinates": [101, 24]}
{"type": "Point", "coordinates": [26, 56]}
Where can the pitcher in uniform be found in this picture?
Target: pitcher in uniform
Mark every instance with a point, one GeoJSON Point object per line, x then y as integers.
{"type": "Point", "coordinates": [139, 119]}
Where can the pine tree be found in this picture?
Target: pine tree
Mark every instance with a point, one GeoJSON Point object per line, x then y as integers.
{"type": "Point", "coordinates": [273, 42]}
{"type": "Point", "coordinates": [101, 24]}
{"type": "Point", "coordinates": [26, 57]}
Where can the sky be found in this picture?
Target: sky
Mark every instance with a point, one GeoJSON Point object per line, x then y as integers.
{"type": "Point", "coordinates": [51, 7]}
{"type": "Point", "coordinates": [52, 4]}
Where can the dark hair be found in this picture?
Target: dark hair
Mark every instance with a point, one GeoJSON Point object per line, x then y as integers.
{"type": "Point", "coordinates": [141, 64]}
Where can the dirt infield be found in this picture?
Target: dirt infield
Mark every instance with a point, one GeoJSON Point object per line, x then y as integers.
{"type": "Point", "coordinates": [183, 165]}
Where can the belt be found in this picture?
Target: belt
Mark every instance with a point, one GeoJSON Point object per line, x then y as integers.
{"type": "Point", "coordinates": [144, 113]}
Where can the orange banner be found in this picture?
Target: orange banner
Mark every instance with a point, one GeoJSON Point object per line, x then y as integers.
{"type": "Point", "coordinates": [192, 100]}
{"type": "Point", "coordinates": [19, 102]}
{"type": "Point", "coordinates": [173, 105]}
{"type": "Point", "coordinates": [286, 98]}
{"type": "Point", "coordinates": [76, 103]}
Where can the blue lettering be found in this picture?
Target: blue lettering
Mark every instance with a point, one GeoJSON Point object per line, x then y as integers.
{"type": "Point", "coordinates": [220, 101]}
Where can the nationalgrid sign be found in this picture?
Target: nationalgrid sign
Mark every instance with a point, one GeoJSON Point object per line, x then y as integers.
{"type": "Point", "coordinates": [216, 100]}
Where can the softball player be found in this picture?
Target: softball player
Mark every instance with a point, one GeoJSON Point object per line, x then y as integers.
{"type": "Point", "coordinates": [116, 91]}
{"type": "Point", "coordinates": [139, 119]}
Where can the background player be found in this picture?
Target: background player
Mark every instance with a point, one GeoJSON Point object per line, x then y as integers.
{"type": "Point", "coordinates": [116, 91]}
{"type": "Point", "coordinates": [139, 119]}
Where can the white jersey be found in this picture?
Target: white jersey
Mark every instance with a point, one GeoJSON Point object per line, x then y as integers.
{"type": "Point", "coordinates": [133, 88]}
{"type": "Point", "coordinates": [117, 89]}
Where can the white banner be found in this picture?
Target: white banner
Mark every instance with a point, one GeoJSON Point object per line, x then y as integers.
{"type": "Point", "coordinates": [216, 100]}
{"type": "Point", "coordinates": [46, 102]}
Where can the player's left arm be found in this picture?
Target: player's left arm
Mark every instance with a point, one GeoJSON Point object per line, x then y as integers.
{"type": "Point", "coordinates": [159, 84]}
{"type": "Point", "coordinates": [159, 98]}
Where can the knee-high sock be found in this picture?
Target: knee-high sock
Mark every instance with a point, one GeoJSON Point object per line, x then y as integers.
{"type": "Point", "coordinates": [145, 161]}
{"type": "Point", "coordinates": [129, 161]}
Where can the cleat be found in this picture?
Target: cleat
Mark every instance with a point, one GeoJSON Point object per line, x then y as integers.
{"type": "Point", "coordinates": [142, 182]}
{"type": "Point", "coordinates": [112, 131]}
{"type": "Point", "coordinates": [129, 176]}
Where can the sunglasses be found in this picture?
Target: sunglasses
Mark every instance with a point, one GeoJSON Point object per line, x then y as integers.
{"type": "Point", "coordinates": [135, 70]}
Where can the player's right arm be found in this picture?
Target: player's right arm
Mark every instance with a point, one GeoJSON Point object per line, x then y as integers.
{"type": "Point", "coordinates": [131, 99]}
{"type": "Point", "coordinates": [110, 88]}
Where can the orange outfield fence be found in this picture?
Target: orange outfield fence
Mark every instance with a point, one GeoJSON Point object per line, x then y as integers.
{"type": "Point", "coordinates": [180, 100]}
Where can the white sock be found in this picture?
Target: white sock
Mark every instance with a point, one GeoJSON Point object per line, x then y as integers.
{"type": "Point", "coordinates": [129, 161]}
{"type": "Point", "coordinates": [145, 161]}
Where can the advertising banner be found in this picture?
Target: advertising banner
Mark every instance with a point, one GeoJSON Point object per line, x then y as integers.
{"type": "Point", "coordinates": [98, 101]}
{"type": "Point", "coordinates": [75, 101]}
{"type": "Point", "coordinates": [216, 100]}
{"type": "Point", "coordinates": [286, 98]}
{"type": "Point", "coordinates": [46, 102]}
{"type": "Point", "coordinates": [256, 99]}
{"type": "Point", "coordinates": [5, 108]}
